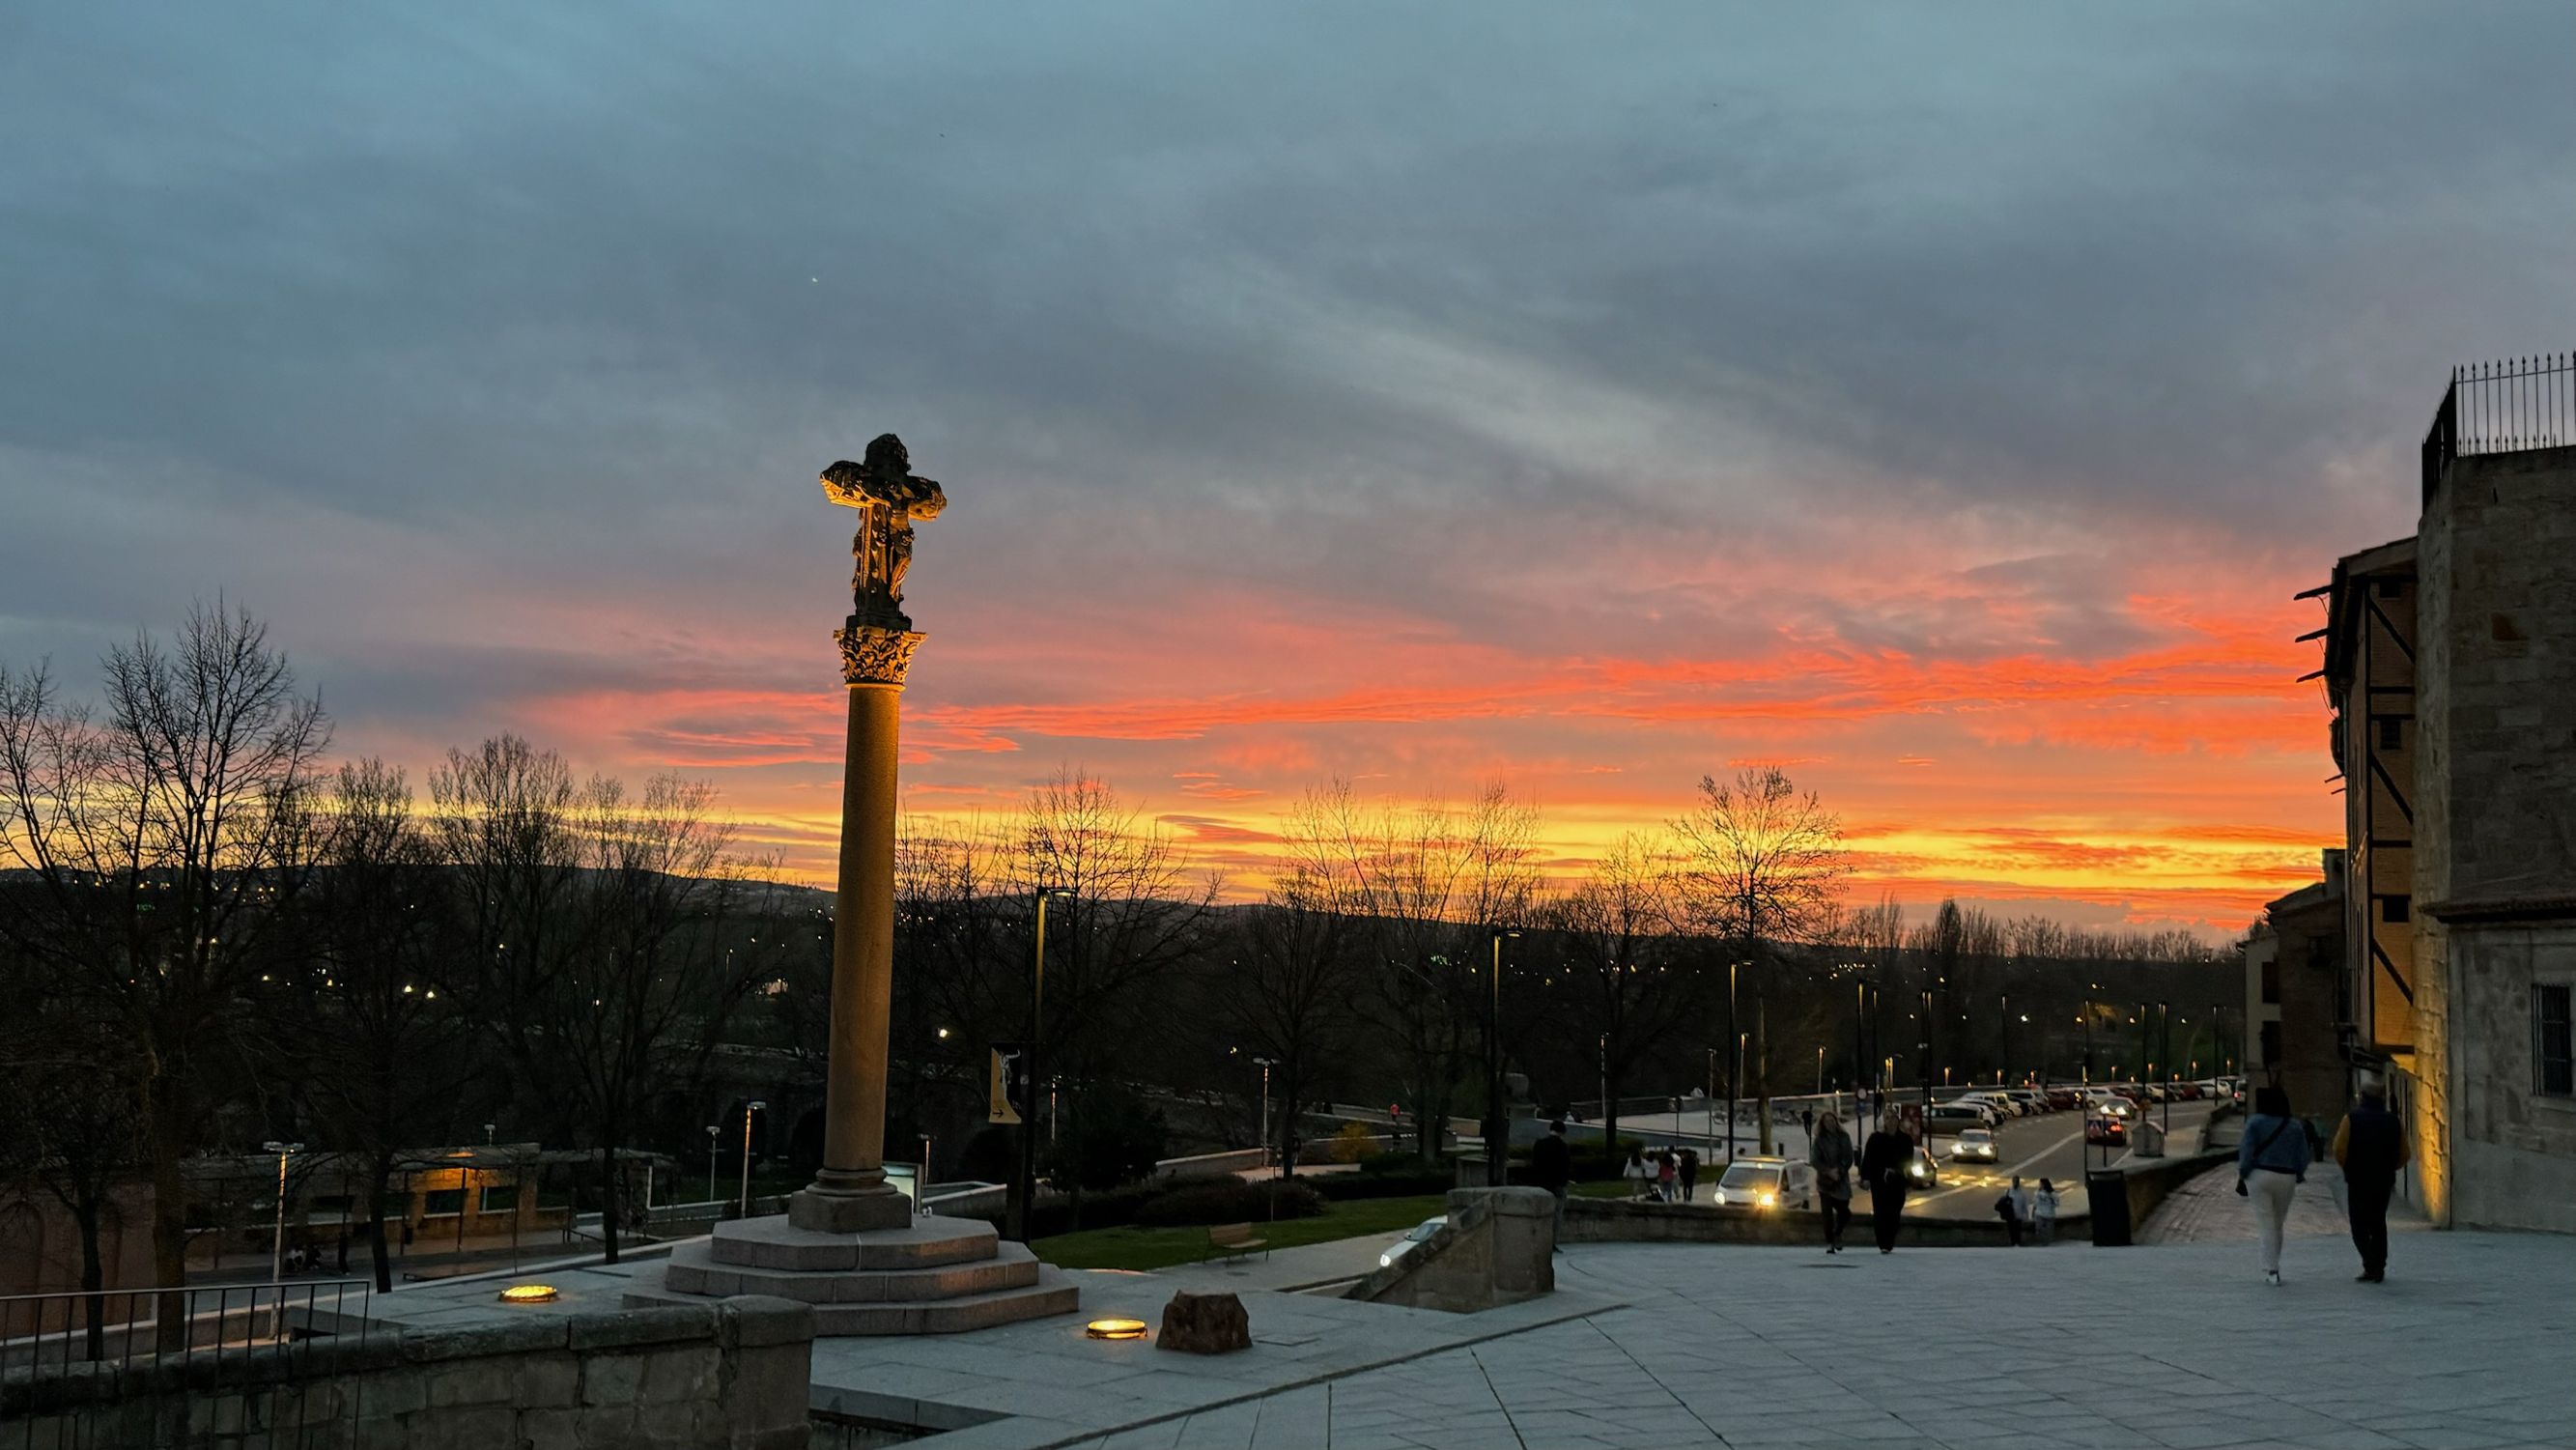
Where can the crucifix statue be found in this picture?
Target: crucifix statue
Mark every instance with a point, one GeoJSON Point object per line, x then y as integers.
{"type": "Point", "coordinates": [888, 499]}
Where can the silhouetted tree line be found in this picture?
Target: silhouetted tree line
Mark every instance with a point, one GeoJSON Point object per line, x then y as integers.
{"type": "Point", "coordinates": [212, 936]}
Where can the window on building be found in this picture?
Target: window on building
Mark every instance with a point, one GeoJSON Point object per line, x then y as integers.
{"type": "Point", "coordinates": [2553, 1071]}
{"type": "Point", "coordinates": [2272, 981]}
{"type": "Point", "coordinates": [2392, 732]}
{"type": "Point", "coordinates": [439, 1202]}
{"type": "Point", "coordinates": [2271, 1044]}
{"type": "Point", "coordinates": [500, 1198]}
{"type": "Point", "coordinates": [2392, 908]}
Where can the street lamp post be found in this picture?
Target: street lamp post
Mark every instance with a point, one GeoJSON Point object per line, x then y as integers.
{"type": "Point", "coordinates": [2164, 1012]}
{"type": "Point", "coordinates": [1266, 1064]}
{"type": "Point", "coordinates": [749, 1108]}
{"type": "Point", "coordinates": [277, 1249]}
{"type": "Point", "coordinates": [1024, 1202]}
{"type": "Point", "coordinates": [1735, 1069]}
{"type": "Point", "coordinates": [714, 1132]}
{"type": "Point", "coordinates": [1498, 1133]}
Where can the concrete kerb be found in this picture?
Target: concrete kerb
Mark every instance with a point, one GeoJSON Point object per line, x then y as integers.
{"type": "Point", "coordinates": [755, 1321]}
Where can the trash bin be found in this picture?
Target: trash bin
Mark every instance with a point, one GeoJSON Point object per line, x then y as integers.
{"type": "Point", "coordinates": [2147, 1140]}
{"type": "Point", "coordinates": [2108, 1188]}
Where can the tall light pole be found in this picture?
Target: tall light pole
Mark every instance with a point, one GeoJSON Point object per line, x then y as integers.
{"type": "Point", "coordinates": [749, 1108]}
{"type": "Point", "coordinates": [1605, 1089]}
{"type": "Point", "coordinates": [1735, 1068]}
{"type": "Point", "coordinates": [2164, 1012]}
{"type": "Point", "coordinates": [2003, 1048]}
{"type": "Point", "coordinates": [1024, 1204]}
{"type": "Point", "coordinates": [1267, 1063]}
{"type": "Point", "coordinates": [1498, 1133]}
{"type": "Point", "coordinates": [714, 1133]}
{"type": "Point", "coordinates": [277, 1250]}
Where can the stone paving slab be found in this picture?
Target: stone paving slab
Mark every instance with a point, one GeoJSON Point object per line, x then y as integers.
{"type": "Point", "coordinates": [1058, 1387]}
{"type": "Point", "coordinates": [2182, 1347]}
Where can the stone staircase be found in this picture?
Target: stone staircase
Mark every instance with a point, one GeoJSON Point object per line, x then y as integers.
{"type": "Point", "coordinates": [938, 1276]}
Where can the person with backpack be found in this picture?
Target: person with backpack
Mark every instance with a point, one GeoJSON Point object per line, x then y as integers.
{"type": "Point", "coordinates": [1640, 1178]}
{"type": "Point", "coordinates": [2371, 1147]}
{"type": "Point", "coordinates": [1667, 1177]}
{"type": "Point", "coordinates": [2271, 1161]}
{"type": "Point", "coordinates": [2014, 1209]}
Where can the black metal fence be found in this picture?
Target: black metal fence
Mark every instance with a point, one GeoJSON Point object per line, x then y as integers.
{"type": "Point", "coordinates": [2502, 407]}
{"type": "Point", "coordinates": [237, 1365]}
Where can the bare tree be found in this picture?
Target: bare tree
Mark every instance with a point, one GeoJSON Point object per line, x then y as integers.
{"type": "Point", "coordinates": [1624, 991]}
{"type": "Point", "coordinates": [1761, 866]}
{"type": "Point", "coordinates": [1130, 914]}
{"type": "Point", "coordinates": [594, 922]}
{"type": "Point", "coordinates": [160, 844]}
{"type": "Point", "coordinates": [1287, 990]}
{"type": "Point", "coordinates": [379, 1054]}
{"type": "Point", "coordinates": [1428, 884]}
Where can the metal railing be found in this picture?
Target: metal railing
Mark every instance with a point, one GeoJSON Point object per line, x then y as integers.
{"type": "Point", "coordinates": [240, 1365]}
{"type": "Point", "coordinates": [2511, 406]}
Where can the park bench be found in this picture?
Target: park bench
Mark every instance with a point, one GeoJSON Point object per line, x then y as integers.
{"type": "Point", "coordinates": [1234, 1240]}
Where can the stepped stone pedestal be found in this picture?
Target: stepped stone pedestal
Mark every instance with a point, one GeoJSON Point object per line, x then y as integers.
{"type": "Point", "coordinates": [936, 1276]}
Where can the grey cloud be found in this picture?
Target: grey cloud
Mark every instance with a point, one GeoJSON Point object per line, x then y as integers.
{"type": "Point", "coordinates": [1314, 294]}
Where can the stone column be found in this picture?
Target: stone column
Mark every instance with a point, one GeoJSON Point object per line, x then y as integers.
{"type": "Point", "coordinates": [850, 1193]}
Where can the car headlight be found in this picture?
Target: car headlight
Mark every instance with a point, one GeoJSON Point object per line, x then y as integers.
{"type": "Point", "coordinates": [1383, 1260]}
{"type": "Point", "coordinates": [1763, 1199]}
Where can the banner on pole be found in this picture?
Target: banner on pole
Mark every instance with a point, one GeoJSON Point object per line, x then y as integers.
{"type": "Point", "coordinates": [1009, 1083]}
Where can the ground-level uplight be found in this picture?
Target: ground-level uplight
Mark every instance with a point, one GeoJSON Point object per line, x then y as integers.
{"type": "Point", "coordinates": [530, 1294]}
{"type": "Point", "coordinates": [1115, 1329]}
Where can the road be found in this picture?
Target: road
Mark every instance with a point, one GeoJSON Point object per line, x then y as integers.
{"type": "Point", "coordinates": [2049, 1146]}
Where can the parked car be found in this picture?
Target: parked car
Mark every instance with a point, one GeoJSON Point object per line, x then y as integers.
{"type": "Point", "coordinates": [1767, 1183]}
{"type": "Point", "coordinates": [1975, 1145]}
{"type": "Point", "coordinates": [2105, 1128]}
{"type": "Point", "coordinates": [1414, 1238]}
{"type": "Point", "coordinates": [1948, 1118]}
{"type": "Point", "coordinates": [2032, 1099]}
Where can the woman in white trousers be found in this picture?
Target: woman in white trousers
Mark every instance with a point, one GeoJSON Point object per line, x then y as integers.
{"type": "Point", "coordinates": [2271, 1159]}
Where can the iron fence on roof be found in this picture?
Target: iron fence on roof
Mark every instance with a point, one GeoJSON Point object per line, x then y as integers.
{"type": "Point", "coordinates": [2510, 406]}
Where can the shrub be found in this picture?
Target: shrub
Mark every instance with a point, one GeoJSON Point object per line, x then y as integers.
{"type": "Point", "coordinates": [1410, 1178]}
{"type": "Point", "coordinates": [1354, 1144]}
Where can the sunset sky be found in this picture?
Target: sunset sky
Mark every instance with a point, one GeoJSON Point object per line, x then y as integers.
{"type": "Point", "coordinates": [1943, 401]}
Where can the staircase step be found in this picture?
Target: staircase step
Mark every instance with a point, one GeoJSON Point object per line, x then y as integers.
{"type": "Point", "coordinates": [773, 1243]}
{"type": "Point", "coordinates": [693, 1271]}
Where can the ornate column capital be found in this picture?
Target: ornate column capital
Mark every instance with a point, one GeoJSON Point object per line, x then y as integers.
{"type": "Point", "coordinates": [872, 654]}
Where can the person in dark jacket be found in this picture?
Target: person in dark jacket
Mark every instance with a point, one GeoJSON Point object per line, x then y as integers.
{"type": "Point", "coordinates": [1551, 1167]}
{"type": "Point", "coordinates": [1829, 1152]}
{"type": "Point", "coordinates": [1883, 1161]}
{"type": "Point", "coordinates": [2371, 1147]}
{"type": "Point", "coordinates": [1689, 1169]}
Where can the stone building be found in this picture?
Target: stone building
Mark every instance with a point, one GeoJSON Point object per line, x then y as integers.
{"type": "Point", "coordinates": [2295, 994]}
{"type": "Point", "coordinates": [2450, 660]}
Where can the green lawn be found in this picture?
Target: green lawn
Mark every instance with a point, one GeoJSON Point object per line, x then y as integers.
{"type": "Point", "coordinates": [1160, 1248]}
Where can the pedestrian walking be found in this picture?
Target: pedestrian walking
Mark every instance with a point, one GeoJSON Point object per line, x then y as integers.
{"type": "Point", "coordinates": [1690, 1173]}
{"type": "Point", "coordinates": [1667, 1177]}
{"type": "Point", "coordinates": [1829, 1152]}
{"type": "Point", "coordinates": [1640, 1178]}
{"type": "Point", "coordinates": [2271, 1161]}
{"type": "Point", "coordinates": [2371, 1147]}
{"type": "Point", "coordinates": [1551, 1167]}
{"type": "Point", "coordinates": [2043, 1213]}
{"type": "Point", "coordinates": [1807, 1120]}
{"type": "Point", "coordinates": [1883, 1161]}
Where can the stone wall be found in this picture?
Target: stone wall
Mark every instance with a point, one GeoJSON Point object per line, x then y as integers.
{"type": "Point", "coordinates": [2495, 834]}
{"type": "Point", "coordinates": [731, 1376]}
{"type": "Point", "coordinates": [1499, 1247]}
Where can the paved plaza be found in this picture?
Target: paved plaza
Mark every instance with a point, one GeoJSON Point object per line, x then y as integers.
{"type": "Point", "coordinates": [2471, 1343]}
